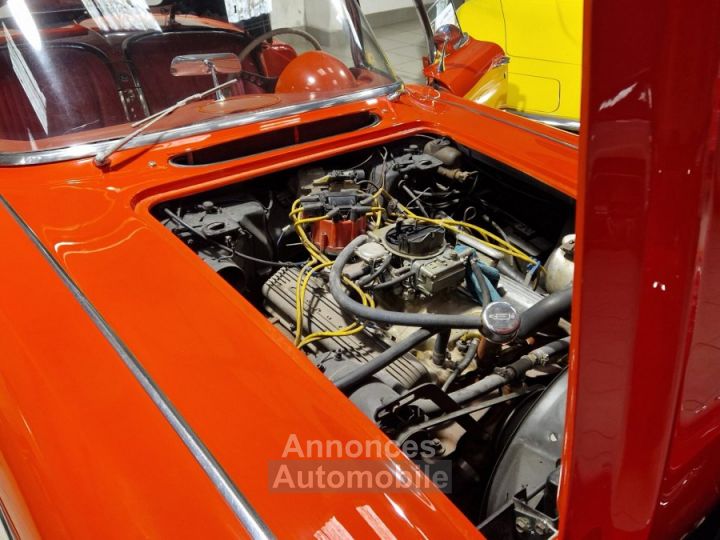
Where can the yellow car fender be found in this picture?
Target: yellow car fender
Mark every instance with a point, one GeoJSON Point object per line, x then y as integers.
{"type": "Point", "coordinates": [543, 39]}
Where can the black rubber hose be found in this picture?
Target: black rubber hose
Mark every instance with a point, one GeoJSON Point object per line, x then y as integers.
{"type": "Point", "coordinates": [423, 320]}
{"type": "Point", "coordinates": [440, 348]}
{"type": "Point", "coordinates": [549, 308]}
{"type": "Point", "coordinates": [484, 289]}
{"type": "Point", "coordinates": [464, 363]}
{"type": "Point", "coordinates": [505, 375]}
{"type": "Point", "coordinates": [477, 389]}
{"type": "Point", "coordinates": [376, 273]}
{"type": "Point", "coordinates": [543, 354]}
{"type": "Point", "coordinates": [393, 281]}
{"type": "Point", "coordinates": [384, 359]}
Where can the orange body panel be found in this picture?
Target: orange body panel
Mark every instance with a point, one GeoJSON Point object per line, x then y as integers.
{"type": "Point", "coordinates": [85, 451]}
{"type": "Point", "coordinates": [464, 68]}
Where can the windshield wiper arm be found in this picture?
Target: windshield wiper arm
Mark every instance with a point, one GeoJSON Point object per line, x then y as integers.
{"type": "Point", "coordinates": [102, 158]}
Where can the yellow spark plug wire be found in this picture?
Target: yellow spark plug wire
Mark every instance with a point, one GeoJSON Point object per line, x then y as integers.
{"type": "Point", "coordinates": [319, 261]}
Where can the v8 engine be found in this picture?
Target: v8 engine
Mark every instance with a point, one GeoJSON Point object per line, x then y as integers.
{"type": "Point", "coordinates": [431, 285]}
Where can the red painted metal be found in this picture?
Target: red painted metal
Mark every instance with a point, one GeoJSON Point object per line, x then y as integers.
{"type": "Point", "coordinates": [84, 454]}
{"type": "Point", "coordinates": [465, 66]}
{"type": "Point", "coordinates": [315, 71]}
{"type": "Point", "coordinates": [642, 453]}
{"type": "Point", "coordinates": [239, 383]}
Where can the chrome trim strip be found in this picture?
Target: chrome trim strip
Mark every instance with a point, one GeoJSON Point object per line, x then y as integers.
{"type": "Point", "coordinates": [510, 123]}
{"type": "Point", "coordinates": [568, 124]}
{"type": "Point", "coordinates": [90, 149]}
{"type": "Point", "coordinates": [427, 27]}
{"type": "Point", "coordinates": [6, 528]}
{"type": "Point", "coordinates": [239, 505]}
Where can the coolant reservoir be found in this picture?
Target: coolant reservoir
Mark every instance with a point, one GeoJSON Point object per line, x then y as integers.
{"type": "Point", "coordinates": [560, 266]}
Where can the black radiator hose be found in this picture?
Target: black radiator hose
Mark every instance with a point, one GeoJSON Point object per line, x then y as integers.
{"type": "Point", "coordinates": [354, 378]}
{"type": "Point", "coordinates": [423, 320]}
{"type": "Point", "coordinates": [547, 309]}
{"type": "Point", "coordinates": [551, 307]}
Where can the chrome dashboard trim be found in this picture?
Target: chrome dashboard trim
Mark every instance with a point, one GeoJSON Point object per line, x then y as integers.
{"type": "Point", "coordinates": [239, 505]}
{"type": "Point", "coordinates": [15, 159]}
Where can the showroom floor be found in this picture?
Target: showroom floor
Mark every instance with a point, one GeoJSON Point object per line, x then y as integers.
{"type": "Point", "coordinates": [405, 45]}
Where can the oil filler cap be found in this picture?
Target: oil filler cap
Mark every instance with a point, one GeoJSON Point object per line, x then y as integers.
{"type": "Point", "coordinates": [500, 322]}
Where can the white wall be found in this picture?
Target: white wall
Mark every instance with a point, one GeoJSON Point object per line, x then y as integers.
{"type": "Point", "coordinates": [287, 13]}
{"type": "Point", "coordinates": [322, 15]}
{"type": "Point", "coordinates": [292, 12]}
{"type": "Point", "coordinates": [379, 6]}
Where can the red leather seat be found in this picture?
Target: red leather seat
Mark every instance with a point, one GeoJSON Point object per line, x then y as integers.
{"type": "Point", "coordinates": [150, 56]}
{"type": "Point", "coordinates": [78, 86]}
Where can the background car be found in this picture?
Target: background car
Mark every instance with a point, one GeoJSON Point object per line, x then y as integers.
{"type": "Point", "coordinates": [543, 39]}
{"type": "Point", "coordinates": [458, 63]}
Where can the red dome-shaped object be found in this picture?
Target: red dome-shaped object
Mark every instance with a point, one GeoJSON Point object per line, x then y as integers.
{"type": "Point", "coordinates": [315, 71]}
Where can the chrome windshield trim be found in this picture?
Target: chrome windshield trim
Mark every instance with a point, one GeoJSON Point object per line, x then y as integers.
{"type": "Point", "coordinates": [427, 27]}
{"type": "Point", "coordinates": [239, 505]}
{"type": "Point", "coordinates": [16, 159]}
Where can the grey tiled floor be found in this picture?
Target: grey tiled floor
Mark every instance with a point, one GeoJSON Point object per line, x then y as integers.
{"type": "Point", "coordinates": [405, 45]}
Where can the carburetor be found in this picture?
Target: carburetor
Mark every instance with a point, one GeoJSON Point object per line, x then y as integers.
{"type": "Point", "coordinates": [446, 271]}
{"type": "Point", "coordinates": [437, 266]}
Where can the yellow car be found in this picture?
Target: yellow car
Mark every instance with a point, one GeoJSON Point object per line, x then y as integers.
{"type": "Point", "coordinates": [543, 39]}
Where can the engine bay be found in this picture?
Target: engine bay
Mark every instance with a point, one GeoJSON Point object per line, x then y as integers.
{"type": "Point", "coordinates": [432, 285]}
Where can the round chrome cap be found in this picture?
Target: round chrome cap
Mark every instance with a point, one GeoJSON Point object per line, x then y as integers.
{"type": "Point", "coordinates": [500, 322]}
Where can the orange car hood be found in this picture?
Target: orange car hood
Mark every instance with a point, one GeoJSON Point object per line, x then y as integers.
{"type": "Point", "coordinates": [86, 451]}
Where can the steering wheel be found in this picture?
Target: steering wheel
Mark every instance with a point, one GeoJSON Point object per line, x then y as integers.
{"type": "Point", "coordinates": [268, 83]}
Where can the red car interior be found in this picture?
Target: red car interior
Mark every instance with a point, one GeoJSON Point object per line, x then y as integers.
{"type": "Point", "coordinates": [150, 56]}
{"type": "Point", "coordinates": [96, 102]}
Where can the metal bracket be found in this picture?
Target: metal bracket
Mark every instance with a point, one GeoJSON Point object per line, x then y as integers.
{"type": "Point", "coordinates": [460, 416]}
